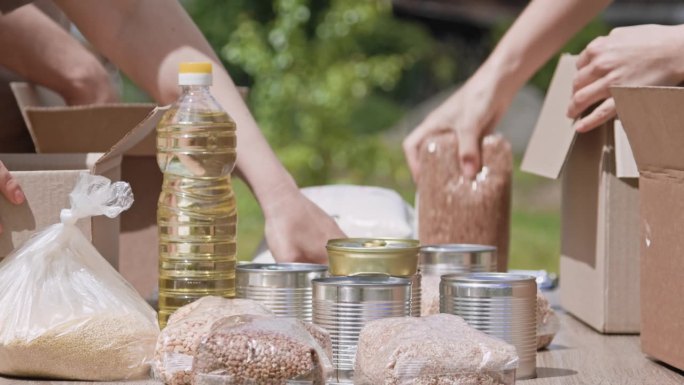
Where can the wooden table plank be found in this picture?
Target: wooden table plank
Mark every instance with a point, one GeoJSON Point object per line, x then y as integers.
{"type": "Point", "coordinates": [580, 355]}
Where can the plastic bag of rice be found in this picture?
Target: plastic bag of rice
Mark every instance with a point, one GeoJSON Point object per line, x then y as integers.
{"type": "Point", "coordinates": [441, 349]}
{"type": "Point", "coordinates": [66, 312]}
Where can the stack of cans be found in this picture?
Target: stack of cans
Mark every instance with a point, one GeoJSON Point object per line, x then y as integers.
{"type": "Point", "coordinates": [388, 257]}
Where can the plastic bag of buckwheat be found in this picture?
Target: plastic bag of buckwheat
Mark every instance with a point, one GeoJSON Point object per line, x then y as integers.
{"type": "Point", "coordinates": [263, 350]}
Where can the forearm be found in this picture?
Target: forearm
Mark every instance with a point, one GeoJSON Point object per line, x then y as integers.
{"type": "Point", "coordinates": [147, 39]}
{"type": "Point", "coordinates": [538, 33]}
{"type": "Point", "coordinates": [42, 52]}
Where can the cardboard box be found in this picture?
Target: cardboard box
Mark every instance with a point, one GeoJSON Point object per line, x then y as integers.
{"type": "Point", "coordinates": [117, 141]}
{"type": "Point", "coordinates": [653, 118]}
{"type": "Point", "coordinates": [599, 266]}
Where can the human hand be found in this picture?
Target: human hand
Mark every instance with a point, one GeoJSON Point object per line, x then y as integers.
{"type": "Point", "coordinates": [644, 55]}
{"type": "Point", "coordinates": [297, 230]}
{"type": "Point", "coordinates": [9, 187]}
{"type": "Point", "coordinates": [472, 112]}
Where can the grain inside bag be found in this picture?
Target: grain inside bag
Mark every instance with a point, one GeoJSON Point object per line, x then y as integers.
{"type": "Point", "coordinates": [452, 209]}
{"type": "Point", "coordinates": [66, 313]}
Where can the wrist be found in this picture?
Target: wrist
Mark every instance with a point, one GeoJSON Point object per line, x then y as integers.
{"type": "Point", "coordinates": [87, 83]}
{"type": "Point", "coordinates": [503, 77]}
{"type": "Point", "coordinates": [273, 194]}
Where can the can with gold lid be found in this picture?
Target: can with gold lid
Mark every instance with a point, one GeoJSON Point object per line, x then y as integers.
{"type": "Point", "coordinates": [393, 257]}
{"type": "Point", "coordinates": [358, 256]}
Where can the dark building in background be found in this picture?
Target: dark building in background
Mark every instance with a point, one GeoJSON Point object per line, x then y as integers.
{"type": "Point", "coordinates": [468, 24]}
{"type": "Point", "coordinates": [483, 14]}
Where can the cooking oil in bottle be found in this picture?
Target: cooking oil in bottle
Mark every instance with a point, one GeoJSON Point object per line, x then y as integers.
{"type": "Point", "coordinates": [196, 214]}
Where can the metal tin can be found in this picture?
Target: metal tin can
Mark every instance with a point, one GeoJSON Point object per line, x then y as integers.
{"type": "Point", "coordinates": [356, 256]}
{"type": "Point", "coordinates": [283, 288]}
{"type": "Point", "coordinates": [457, 258]}
{"type": "Point", "coordinates": [500, 304]}
{"type": "Point", "coordinates": [344, 305]}
{"type": "Point", "coordinates": [378, 256]}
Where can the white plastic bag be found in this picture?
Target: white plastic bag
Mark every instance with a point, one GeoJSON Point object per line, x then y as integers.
{"type": "Point", "coordinates": [360, 211]}
{"type": "Point", "coordinates": [439, 349]}
{"type": "Point", "coordinates": [66, 313]}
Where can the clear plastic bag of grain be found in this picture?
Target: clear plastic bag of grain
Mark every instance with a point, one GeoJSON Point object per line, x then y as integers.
{"type": "Point", "coordinates": [178, 343]}
{"type": "Point", "coordinates": [548, 323]}
{"type": "Point", "coordinates": [439, 349]}
{"type": "Point", "coordinates": [452, 209]}
{"type": "Point", "coordinates": [251, 350]}
{"type": "Point", "coordinates": [66, 312]}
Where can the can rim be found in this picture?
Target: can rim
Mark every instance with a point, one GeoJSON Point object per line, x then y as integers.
{"type": "Point", "coordinates": [487, 277]}
{"type": "Point", "coordinates": [457, 248]}
{"type": "Point", "coordinates": [410, 244]}
{"type": "Point", "coordinates": [281, 267]}
{"type": "Point", "coordinates": [362, 280]}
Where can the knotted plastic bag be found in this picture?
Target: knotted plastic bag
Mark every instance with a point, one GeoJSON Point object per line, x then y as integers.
{"type": "Point", "coordinates": [439, 349]}
{"type": "Point", "coordinates": [65, 312]}
{"type": "Point", "coordinates": [260, 350]}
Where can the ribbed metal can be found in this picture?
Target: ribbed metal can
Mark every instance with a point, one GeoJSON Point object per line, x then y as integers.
{"type": "Point", "coordinates": [437, 260]}
{"type": "Point", "coordinates": [457, 258]}
{"type": "Point", "coordinates": [283, 288]}
{"type": "Point", "coordinates": [500, 304]}
{"type": "Point", "coordinates": [344, 305]}
{"type": "Point", "coordinates": [416, 293]}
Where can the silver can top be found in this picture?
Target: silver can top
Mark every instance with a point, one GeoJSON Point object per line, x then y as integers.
{"type": "Point", "coordinates": [359, 289]}
{"type": "Point", "coordinates": [453, 258]}
{"type": "Point", "coordinates": [278, 275]}
{"type": "Point", "coordinates": [485, 285]}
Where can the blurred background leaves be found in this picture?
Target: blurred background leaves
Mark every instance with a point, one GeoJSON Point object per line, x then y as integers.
{"type": "Point", "coordinates": [326, 77]}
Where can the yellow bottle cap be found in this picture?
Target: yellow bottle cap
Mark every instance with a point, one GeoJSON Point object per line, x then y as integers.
{"type": "Point", "coordinates": [194, 74]}
{"type": "Point", "coordinates": [194, 67]}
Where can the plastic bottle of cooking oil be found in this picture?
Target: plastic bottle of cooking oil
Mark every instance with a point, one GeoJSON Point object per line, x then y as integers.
{"type": "Point", "coordinates": [197, 214]}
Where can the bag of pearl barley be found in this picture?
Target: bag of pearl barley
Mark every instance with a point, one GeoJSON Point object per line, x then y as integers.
{"type": "Point", "coordinates": [260, 350]}
{"type": "Point", "coordinates": [439, 349]}
{"type": "Point", "coordinates": [66, 313]}
{"type": "Point", "coordinates": [452, 209]}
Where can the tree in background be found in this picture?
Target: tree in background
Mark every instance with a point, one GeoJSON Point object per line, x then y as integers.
{"type": "Point", "coordinates": [326, 79]}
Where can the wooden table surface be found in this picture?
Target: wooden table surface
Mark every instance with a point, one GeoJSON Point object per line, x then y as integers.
{"type": "Point", "coordinates": [578, 355]}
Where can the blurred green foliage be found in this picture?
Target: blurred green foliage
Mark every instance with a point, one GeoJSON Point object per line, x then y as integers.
{"type": "Point", "coordinates": [326, 78]}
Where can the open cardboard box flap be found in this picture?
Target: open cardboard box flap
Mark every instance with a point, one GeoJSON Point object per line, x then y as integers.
{"type": "Point", "coordinates": [85, 129]}
{"type": "Point", "coordinates": [653, 118]}
{"type": "Point", "coordinates": [553, 136]}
